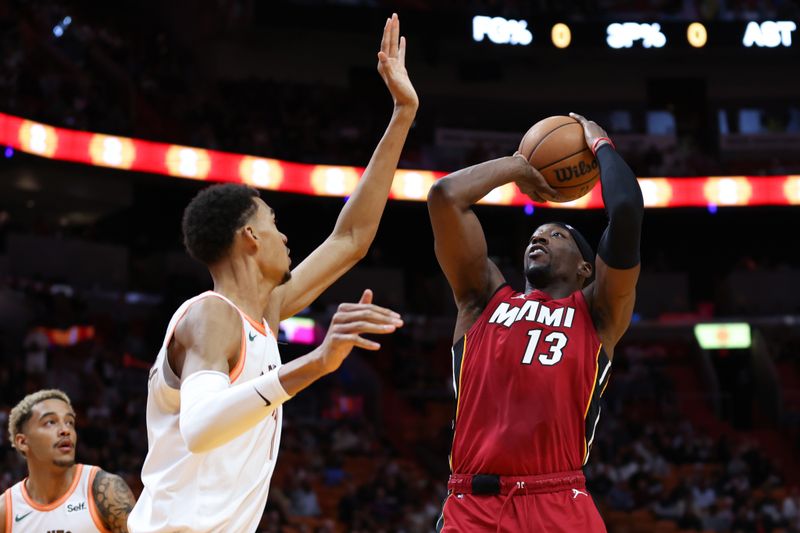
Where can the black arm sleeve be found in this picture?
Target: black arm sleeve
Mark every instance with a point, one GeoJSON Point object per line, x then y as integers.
{"type": "Point", "coordinates": [619, 245]}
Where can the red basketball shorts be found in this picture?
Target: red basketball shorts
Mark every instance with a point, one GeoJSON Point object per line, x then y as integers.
{"type": "Point", "coordinates": [548, 503]}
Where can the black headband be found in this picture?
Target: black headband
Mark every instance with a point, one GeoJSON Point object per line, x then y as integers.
{"type": "Point", "coordinates": [583, 245]}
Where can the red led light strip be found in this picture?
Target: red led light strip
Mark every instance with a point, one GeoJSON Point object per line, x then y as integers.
{"type": "Point", "coordinates": [324, 180]}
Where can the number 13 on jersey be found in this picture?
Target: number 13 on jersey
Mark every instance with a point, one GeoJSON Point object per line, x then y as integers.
{"type": "Point", "coordinates": [555, 342]}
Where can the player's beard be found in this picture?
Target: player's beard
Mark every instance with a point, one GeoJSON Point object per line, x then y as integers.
{"type": "Point", "coordinates": [286, 277]}
{"type": "Point", "coordinates": [539, 275]}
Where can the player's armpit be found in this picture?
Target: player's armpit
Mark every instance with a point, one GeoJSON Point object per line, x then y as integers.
{"type": "Point", "coordinates": [113, 500]}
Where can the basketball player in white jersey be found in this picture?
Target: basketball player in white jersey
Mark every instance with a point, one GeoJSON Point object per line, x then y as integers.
{"type": "Point", "coordinates": [58, 494]}
{"type": "Point", "coordinates": [216, 389]}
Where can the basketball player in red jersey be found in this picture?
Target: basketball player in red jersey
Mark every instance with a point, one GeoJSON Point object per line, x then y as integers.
{"type": "Point", "coordinates": [529, 367]}
{"type": "Point", "coordinates": [58, 494]}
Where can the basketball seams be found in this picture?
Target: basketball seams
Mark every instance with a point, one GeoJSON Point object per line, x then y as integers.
{"type": "Point", "coordinates": [533, 152]}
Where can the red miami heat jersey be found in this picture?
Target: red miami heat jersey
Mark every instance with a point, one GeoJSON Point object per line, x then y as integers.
{"type": "Point", "coordinates": [528, 376]}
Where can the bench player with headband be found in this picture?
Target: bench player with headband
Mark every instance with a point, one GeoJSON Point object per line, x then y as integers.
{"type": "Point", "coordinates": [529, 367]}
{"type": "Point", "coordinates": [58, 494]}
{"type": "Point", "coordinates": [215, 392]}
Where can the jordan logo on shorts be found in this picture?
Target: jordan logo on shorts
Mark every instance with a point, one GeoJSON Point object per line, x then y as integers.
{"type": "Point", "coordinates": [575, 493]}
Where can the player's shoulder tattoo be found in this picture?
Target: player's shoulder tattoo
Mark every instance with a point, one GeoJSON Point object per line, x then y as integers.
{"type": "Point", "coordinates": [114, 500]}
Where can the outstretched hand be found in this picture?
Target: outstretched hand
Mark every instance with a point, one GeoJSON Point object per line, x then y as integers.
{"type": "Point", "coordinates": [392, 65]}
{"type": "Point", "coordinates": [591, 130]}
{"type": "Point", "coordinates": [349, 323]}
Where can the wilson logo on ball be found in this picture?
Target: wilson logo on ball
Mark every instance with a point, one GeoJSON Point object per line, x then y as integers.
{"type": "Point", "coordinates": [575, 171]}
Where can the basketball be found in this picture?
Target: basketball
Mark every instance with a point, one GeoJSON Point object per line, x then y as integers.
{"type": "Point", "coordinates": [556, 147]}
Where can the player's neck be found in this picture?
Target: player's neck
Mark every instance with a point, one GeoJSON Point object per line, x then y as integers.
{"type": "Point", "coordinates": [243, 284]}
{"type": "Point", "coordinates": [555, 290]}
{"type": "Point", "coordinates": [48, 483]}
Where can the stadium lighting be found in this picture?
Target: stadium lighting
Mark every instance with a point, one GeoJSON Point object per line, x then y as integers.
{"type": "Point", "coordinates": [125, 153]}
{"type": "Point", "coordinates": [723, 336]}
{"type": "Point", "coordinates": [61, 27]}
{"type": "Point", "coordinates": [697, 35]}
{"type": "Point", "coordinates": [561, 35]}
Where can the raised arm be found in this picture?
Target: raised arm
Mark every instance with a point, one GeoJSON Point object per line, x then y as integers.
{"type": "Point", "coordinates": [612, 295]}
{"type": "Point", "coordinates": [208, 341]}
{"type": "Point", "coordinates": [358, 222]}
{"type": "Point", "coordinates": [114, 501]}
{"type": "Point", "coordinates": [460, 244]}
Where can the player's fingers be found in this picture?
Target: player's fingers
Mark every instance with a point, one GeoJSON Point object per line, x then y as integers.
{"type": "Point", "coordinates": [520, 155]}
{"type": "Point", "coordinates": [366, 315]}
{"type": "Point", "coordinates": [387, 34]}
{"type": "Point", "coordinates": [351, 317]}
{"type": "Point", "coordinates": [579, 118]}
{"type": "Point", "coordinates": [382, 57]}
{"type": "Point", "coordinates": [366, 344]}
{"type": "Point", "coordinates": [538, 175]}
{"type": "Point", "coordinates": [355, 340]}
{"type": "Point", "coordinates": [537, 197]}
{"type": "Point", "coordinates": [394, 38]}
{"type": "Point", "coordinates": [547, 193]}
{"type": "Point", "coordinates": [366, 297]}
{"type": "Point", "coordinates": [365, 327]}
{"type": "Point", "coordinates": [370, 315]}
{"type": "Point", "coordinates": [348, 307]}
{"type": "Point", "coordinates": [401, 55]}
{"type": "Point", "coordinates": [542, 187]}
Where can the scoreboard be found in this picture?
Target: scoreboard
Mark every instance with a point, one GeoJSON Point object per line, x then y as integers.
{"type": "Point", "coordinates": [621, 35]}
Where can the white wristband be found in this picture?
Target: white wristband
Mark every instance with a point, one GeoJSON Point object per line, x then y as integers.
{"type": "Point", "coordinates": [269, 387]}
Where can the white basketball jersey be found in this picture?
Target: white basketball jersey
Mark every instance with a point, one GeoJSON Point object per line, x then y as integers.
{"type": "Point", "coordinates": [225, 489]}
{"type": "Point", "coordinates": [75, 511]}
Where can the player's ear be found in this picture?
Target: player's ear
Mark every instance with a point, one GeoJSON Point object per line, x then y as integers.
{"type": "Point", "coordinates": [248, 238]}
{"type": "Point", "coordinates": [21, 443]}
{"type": "Point", "coordinates": [585, 270]}
{"type": "Point", "coordinates": [249, 234]}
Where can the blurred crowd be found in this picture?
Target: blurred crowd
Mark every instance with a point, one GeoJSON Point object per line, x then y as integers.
{"type": "Point", "coordinates": [652, 461]}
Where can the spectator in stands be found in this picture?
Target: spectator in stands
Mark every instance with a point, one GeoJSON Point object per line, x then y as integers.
{"type": "Point", "coordinates": [304, 500]}
{"type": "Point", "coordinates": [703, 495]}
